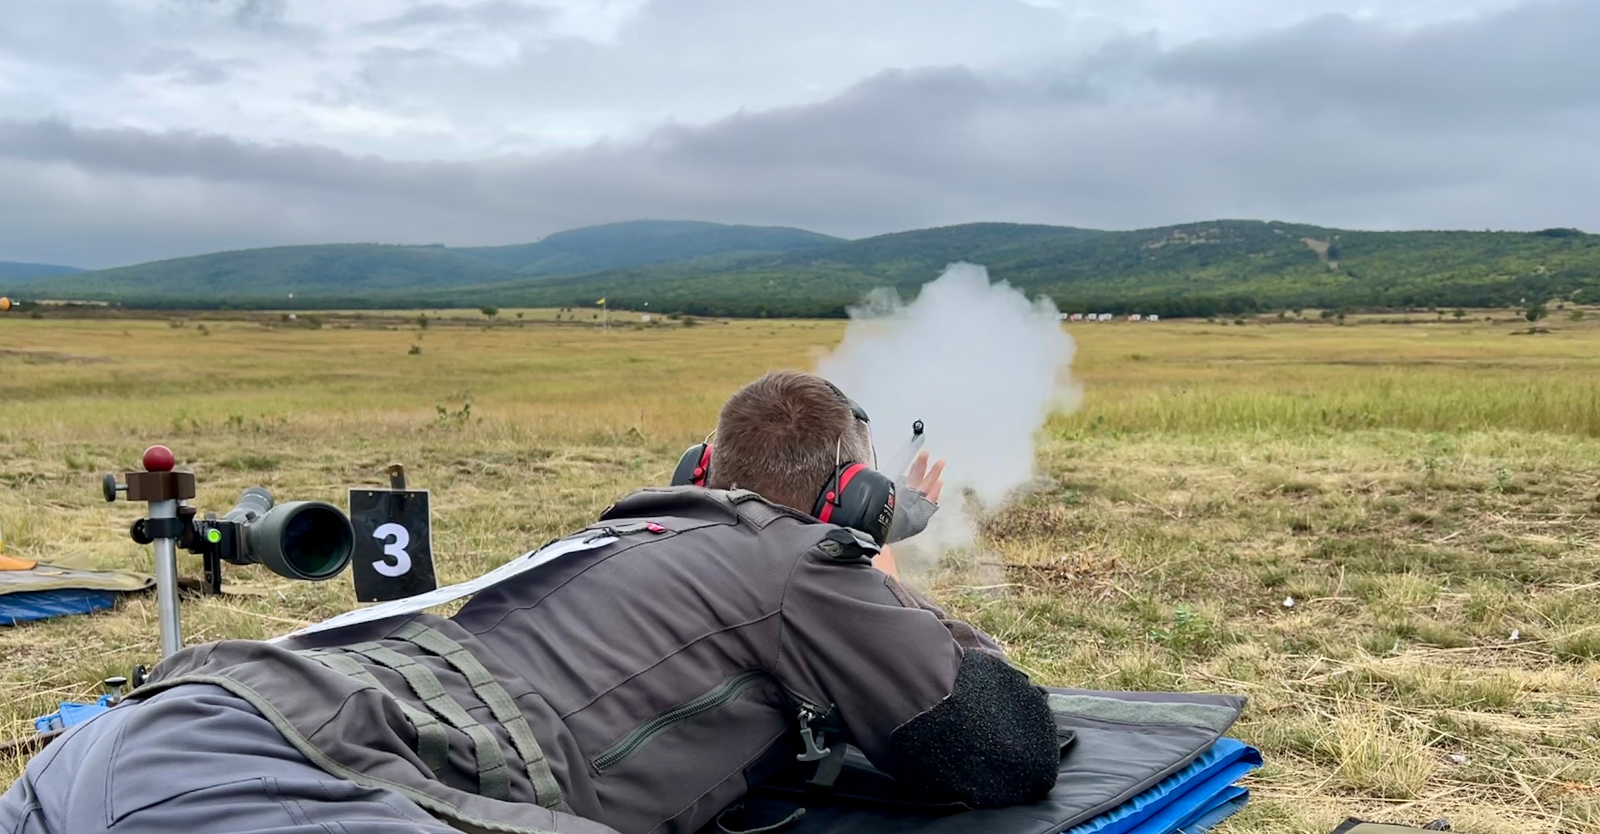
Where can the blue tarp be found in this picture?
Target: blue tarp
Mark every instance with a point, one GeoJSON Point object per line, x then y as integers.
{"type": "Point", "coordinates": [26, 606]}
{"type": "Point", "coordinates": [1187, 802]}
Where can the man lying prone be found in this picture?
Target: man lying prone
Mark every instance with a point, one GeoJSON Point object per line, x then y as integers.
{"type": "Point", "coordinates": [639, 685]}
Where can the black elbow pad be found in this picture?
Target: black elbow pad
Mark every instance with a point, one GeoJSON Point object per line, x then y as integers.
{"type": "Point", "coordinates": [991, 743]}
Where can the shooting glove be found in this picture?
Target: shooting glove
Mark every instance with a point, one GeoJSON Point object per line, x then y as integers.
{"type": "Point", "coordinates": [912, 512]}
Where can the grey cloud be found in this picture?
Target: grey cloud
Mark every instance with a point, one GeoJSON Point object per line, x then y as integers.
{"type": "Point", "coordinates": [261, 17]}
{"type": "Point", "coordinates": [205, 72]}
{"type": "Point", "coordinates": [693, 60]}
{"type": "Point", "coordinates": [1536, 60]}
{"type": "Point", "coordinates": [1138, 135]}
{"type": "Point", "coordinates": [32, 36]}
{"type": "Point", "coordinates": [182, 65]}
{"type": "Point", "coordinates": [266, 13]}
{"type": "Point", "coordinates": [103, 42]}
{"type": "Point", "coordinates": [491, 13]}
{"type": "Point", "coordinates": [187, 155]}
{"type": "Point", "coordinates": [259, 12]}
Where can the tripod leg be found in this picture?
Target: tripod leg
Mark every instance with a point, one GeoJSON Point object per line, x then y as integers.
{"type": "Point", "coordinates": [166, 551]}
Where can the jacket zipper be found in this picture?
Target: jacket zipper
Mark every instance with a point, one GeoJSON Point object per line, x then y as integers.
{"type": "Point", "coordinates": [805, 708]}
{"type": "Point", "coordinates": [724, 692]}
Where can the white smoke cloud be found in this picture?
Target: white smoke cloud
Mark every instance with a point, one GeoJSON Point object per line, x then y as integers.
{"type": "Point", "coordinates": [980, 364]}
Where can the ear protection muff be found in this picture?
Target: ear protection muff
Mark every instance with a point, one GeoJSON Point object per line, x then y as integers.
{"type": "Point", "coordinates": [693, 467]}
{"type": "Point", "coordinates": [858, 497]}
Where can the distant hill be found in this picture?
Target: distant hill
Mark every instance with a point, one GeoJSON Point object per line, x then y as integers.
{"type": "Point", "coordinates": [615, 245]}
{"type": "Point", "coordinates": [811, 282]}
{"type": "Point", "coordinates": [1204, 269]}
{"type": "Point", "coordinates": [255, 276]}
{"type": "Point", "coordinates": [1229, 266]}
{"type": "Point", "coordinates": [16, 272]}
{"type": "Point", "coordinates": [364, 274]}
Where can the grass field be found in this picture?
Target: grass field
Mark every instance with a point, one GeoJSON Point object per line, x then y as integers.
{"type": "Point", "coordinates": [1427, 495]}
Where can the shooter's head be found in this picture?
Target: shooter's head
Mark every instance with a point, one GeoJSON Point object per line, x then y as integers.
{"type": "Point", "coordinates": [784, 435]}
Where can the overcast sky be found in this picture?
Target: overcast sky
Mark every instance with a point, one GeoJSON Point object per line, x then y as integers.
{"type": "Point", "coordinates": [140, 129]}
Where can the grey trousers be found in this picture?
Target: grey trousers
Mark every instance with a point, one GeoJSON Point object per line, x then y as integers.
{"type": "Point", "coordinates": [193, 760]}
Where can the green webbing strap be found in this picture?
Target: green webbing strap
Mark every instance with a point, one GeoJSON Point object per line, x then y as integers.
{"type": "Point", "coordinates": [494, 779]}
{"type": "Point", "coordinates": [433, 746]}
{"type": "Point", "coordinates": [546, 792]}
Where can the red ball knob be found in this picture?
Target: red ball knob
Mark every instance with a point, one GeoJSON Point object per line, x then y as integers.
{"type": "Point", "coordinates": [159, 459]}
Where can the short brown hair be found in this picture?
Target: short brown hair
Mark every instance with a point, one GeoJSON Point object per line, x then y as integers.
{"type": "Point", "coordinates": [782, 436]}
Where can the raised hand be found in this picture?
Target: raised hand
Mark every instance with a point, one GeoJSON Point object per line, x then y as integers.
{"type": "Point", "coordinates": [929, 482]}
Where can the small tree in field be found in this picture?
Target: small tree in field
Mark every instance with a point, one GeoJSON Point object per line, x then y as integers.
{"type": "Point", "coordinates": [1459, 314]}
{"type": "Point", "coordinates": [1536, 312]}
{"type": "Point", "coordinates": [491, 312]}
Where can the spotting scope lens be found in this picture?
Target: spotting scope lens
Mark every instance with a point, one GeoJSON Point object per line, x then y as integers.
{"type": "Point", "coordinates": [300, 539]}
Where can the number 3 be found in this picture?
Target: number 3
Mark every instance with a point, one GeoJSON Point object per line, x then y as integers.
{"type": "Point", "coordinates": [395, 550]}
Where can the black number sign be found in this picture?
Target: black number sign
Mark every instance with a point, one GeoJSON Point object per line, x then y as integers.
{"type": "Point", "coordinates": [393, 556]}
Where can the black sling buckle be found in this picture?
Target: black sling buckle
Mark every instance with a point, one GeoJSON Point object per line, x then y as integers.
{"type": "Point", "coordinates": [830, 760]}
{"type": "Point", "coordinates": [811, 739]}
{"type": "Point", "coordinates": [828, 769]}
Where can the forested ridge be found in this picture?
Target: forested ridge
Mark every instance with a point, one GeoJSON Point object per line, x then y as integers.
{"type": "Point", "coordinates": [1196, 269]}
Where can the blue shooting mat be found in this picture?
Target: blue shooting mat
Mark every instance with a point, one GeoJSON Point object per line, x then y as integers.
{"type": "Point", "coordinates": [1188, 802]}
{"type": "Point", "coordinates": [32, 590]}
{"type": "Point", "coordinates": [27, 606]}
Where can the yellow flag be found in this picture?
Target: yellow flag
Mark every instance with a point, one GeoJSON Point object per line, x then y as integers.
{"type": "Point", "coordinates": [601, 301]}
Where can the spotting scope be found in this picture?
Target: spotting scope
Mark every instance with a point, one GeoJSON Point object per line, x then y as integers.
{"type": "Point", "coordinates": [307, 540]}
{"type": "Point", "coordinates": [300, 539]}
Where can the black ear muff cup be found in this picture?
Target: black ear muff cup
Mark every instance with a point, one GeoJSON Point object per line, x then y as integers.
{"type": "Point", "coordinates": [693, 467]}
{"type": "Point", "coordinates": [858, 497]}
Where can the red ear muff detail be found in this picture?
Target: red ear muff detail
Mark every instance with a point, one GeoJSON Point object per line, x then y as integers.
{"type": "Point", "coordinates": [830, 499]}
{"type": "Point", "coordinates": [858, 497]}
{"type": "Point", "coordinates": [704, 469]}
{"type": "Point", "coordinates": [694, 466]}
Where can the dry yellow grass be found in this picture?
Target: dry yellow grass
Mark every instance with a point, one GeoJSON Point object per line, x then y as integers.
{"type": "Point", "coordinates": [1420, 491]}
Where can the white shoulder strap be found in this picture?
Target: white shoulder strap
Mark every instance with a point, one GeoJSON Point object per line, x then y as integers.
{"type": "Point", "coordinates": [450, 593]}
